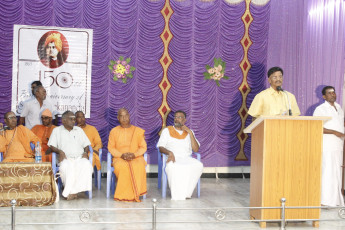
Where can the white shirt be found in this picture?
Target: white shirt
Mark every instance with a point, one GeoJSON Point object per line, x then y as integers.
{"type": "Point", "coordinates": [331, 141]}
{"type": "Point", "coordinates": [32, 112]}
{"type": "Point", "coordinates": [179, 147]}
{"type": "Point", "coordinates": [72, 143]}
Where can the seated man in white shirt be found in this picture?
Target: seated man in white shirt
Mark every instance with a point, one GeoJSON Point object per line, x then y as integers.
{"type": "Point", "coordinates": [183, 171]}
{"type": "Point", "coordinates": [72, 145]}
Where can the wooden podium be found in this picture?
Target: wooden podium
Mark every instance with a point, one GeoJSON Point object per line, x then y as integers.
{"type": "Point", "coordinates": [286, 161]}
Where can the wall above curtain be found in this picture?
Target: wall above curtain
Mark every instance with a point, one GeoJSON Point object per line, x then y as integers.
{"type": "Point", "coordinates": [198, 32]}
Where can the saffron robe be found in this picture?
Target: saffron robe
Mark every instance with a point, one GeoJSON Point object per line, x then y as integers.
{"type": "Point", "coordinates": [19, 150]}
{"type": "Point", "coordinates": [96, 143]}
{"type": "Point", "coordinates": [44, 132]}
{"type": "Point", "coordinates": [131, 175]}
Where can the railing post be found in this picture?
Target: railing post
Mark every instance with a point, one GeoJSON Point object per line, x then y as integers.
{"type": "Point", "coordinates": [154, 207]}
{"type": "Point", "coordinates": [282, 225]}
{"type": "Point", "coordinates": [13, 222]}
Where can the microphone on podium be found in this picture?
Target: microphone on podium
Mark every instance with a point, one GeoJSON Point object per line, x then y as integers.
{"type": "Point", "coordinates": [279, 88]}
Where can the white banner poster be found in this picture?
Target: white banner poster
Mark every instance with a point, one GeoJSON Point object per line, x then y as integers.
{"type": "Point", "coordinates": [58, 57]}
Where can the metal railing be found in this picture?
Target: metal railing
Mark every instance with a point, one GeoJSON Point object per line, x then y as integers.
{"type": "Point", "coordinates": [85, 215]}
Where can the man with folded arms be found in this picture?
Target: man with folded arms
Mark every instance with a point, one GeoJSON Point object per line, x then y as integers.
{"type": "Point", "coordinates": [43, 132]}
{"type": "Point", "coordinates": [93, 135]}
{"type": "Point", "coordinates": [72, 145]}
{"type": "Point", "coordinates": [15, 140]}
{"type": "Point", "coordinates": [127, 145]}
{"type": "Point", "coordinates": [183, 171]}
{"type": "Point", "coordinates": [332, 153]}
{"type": "Point", "coordinates": [33, 108]}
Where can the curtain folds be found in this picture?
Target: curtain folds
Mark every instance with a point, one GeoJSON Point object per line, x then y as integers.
{"type": "Point", "coordinates": [202, 31]}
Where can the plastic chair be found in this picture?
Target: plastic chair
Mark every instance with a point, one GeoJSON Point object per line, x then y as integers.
{"type": "Point", "coordinates": [98, 173]}
{"type": "Point", "coordinates": [1, 157]}
{"type": "Point", "coordinates": [111, 175]}
{"type": "Point", "coordinates": [56, 169]}
{"type": "Point", "coordinates": [162, 159]}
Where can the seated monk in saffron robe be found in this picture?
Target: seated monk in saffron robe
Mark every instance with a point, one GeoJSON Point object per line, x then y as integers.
{"type": "Point", "coordinates": [93, 135]}
{"type": "Point", "coordinates": [43, 132]}
{"type": "Point", "coordinates": [127, 145]}
{"type": "Point", "coordinates": [15, 141]}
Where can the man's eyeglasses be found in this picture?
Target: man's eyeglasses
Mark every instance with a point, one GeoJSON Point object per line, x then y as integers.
{"type": "Point", "coordinates": [178, 117]}
{"type": "Point", "coordinates": [11, 117]}
{"type": "Point", "coordinates": [277, 77]}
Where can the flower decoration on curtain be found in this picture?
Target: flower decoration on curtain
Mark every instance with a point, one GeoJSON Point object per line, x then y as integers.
{"type": "Point", "coordinates": [216, 72]}
{"type": "Point", "coordinates": [121, 69]}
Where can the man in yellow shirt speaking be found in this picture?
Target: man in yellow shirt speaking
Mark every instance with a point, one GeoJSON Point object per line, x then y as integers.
{"type": "Point", "coordinates": [274, 100]}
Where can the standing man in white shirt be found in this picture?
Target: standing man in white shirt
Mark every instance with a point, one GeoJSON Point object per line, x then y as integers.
{"type": "Point", "coordinates": [32, 109]}
{"type": "Point", "coordinates": [72, 145]}
{"type": "Point", "coordinates": [332, 154]}
{"type": "Point", "coordinates": [183, 171]}
{"type": "Point", "coordinates": [21, 104]}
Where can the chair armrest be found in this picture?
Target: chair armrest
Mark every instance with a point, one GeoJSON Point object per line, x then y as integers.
{"type": "Point", "coordinates": [145, 156]}
{"type": "Point", "coordinates": [198, 156]}
{"type": "Point", "coordinates": [100, 154]}
{"type": "Point", "coordinates": [54, 162]}
{"type": "Point", "coordinates": [91, 154]}
{"type": "Point", "coordinates": [165, 158]}
{"type": "Point", "coordinates": [159, 154]}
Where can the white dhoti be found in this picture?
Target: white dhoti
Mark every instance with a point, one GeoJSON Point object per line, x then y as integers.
{"type": "Point", "coordinates": [332, 154]}
{"type": "Point", "coordinates": [331, 178]}
{"type": "Point", "coordinates": [183, 176]}
{"type": "Point", "coordinates": [76, 175]}
{"type": "Point", "coordinates": [184, 173]}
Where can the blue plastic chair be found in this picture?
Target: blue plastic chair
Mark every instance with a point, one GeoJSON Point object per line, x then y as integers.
{"type": "Point", "coordinates": [56, 169]}
{"type": "Point", "coordinates": [162, 159]}
{"type": "Point", "coordinates": [98, 173]}
{"type": "Point", "coordinates": [111, 178]}
{"type": "Point", "coordinates": [1, 157]}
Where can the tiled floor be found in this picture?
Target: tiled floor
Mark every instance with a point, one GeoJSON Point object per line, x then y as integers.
{"type": "Point", "coordinates": [221, 193]}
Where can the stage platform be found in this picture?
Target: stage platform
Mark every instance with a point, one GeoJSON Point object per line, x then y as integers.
{"type": "Point", "coordinates": [225, 192]}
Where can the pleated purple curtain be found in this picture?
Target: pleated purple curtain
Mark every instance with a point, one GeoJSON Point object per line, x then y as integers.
{"type": "Point", "coordinates": [306, 39]}
{"type": "Point", "coordinates": [202, 31]}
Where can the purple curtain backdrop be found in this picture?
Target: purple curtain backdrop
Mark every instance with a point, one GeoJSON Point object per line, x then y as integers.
{"type": "Point", "coordinates": [202, 31]}
{"type": "Point", "coordinates": [306, 38]}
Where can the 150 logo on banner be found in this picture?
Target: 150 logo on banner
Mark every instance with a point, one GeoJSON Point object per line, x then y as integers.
{"type": "Point", "coordinates": [63, 80]}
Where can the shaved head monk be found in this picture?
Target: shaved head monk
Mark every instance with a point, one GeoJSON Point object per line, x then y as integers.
{"type": "Point", "coordinates": [127, 145]}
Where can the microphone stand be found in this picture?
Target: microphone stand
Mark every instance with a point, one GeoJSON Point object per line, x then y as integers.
{"type": "Point", "coordinates": [287, 96]}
